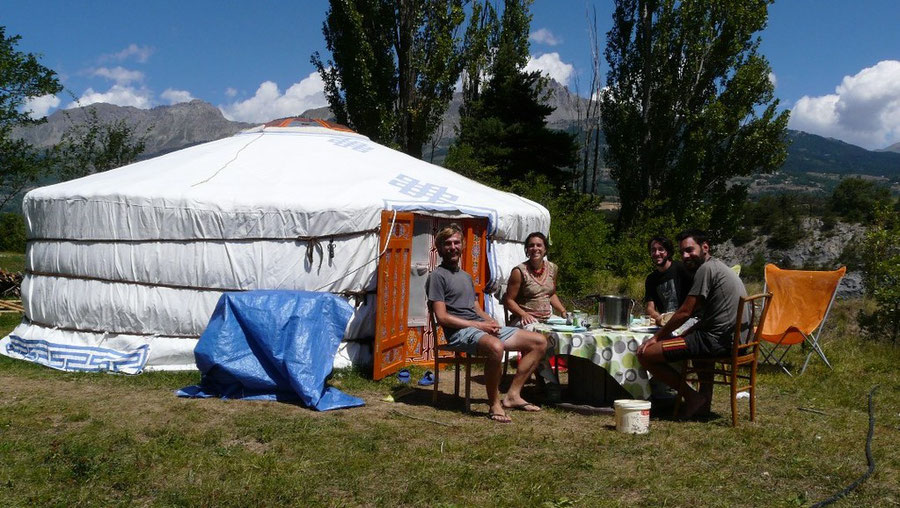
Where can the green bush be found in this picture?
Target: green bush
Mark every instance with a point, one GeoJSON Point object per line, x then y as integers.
{"type": "Point", "coordinates": [881, 274]}
{"type": "Point", "coordinates": [856, 200]}
{"type": "Point", "coordinates": [12, 232]}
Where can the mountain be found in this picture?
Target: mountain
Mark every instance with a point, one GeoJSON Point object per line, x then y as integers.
{"type": "Point", "coordinates": [816, 154]}
{"type": "Point", "coordinates": [814, 163]}
{"type": "Point", "coordinates": [893, 148]}
{"type": "Point", "coordinates": [167, 128]}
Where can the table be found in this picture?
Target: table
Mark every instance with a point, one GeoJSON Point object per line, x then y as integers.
{"type": "Point", "coordinates": [613, 350]}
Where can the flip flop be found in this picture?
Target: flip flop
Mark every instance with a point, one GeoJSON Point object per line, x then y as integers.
{"type": "Point", "coordinates": [427, 379]}
{"type": "Point", "coordinates": [525, 406]}
{"type": "Point", "coordinates": [499, 418]}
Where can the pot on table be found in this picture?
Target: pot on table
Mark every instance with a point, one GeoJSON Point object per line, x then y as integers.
{"type": "Point", "coordinates": [614, 311]}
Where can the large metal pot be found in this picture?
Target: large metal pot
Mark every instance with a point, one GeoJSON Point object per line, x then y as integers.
{"type": "Point", "coordinates": [614, 311]}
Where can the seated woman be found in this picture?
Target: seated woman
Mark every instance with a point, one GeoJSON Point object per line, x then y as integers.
{"type": "Point", "coordinates": [531, 298]}
{"type": "Point", "coordinates": [531, 289]}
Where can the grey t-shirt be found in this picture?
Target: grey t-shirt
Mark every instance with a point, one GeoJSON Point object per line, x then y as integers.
{"type": "Point", "coordinates": [456, 290]}
{"type": "Point", "coordinates": [721, 290]}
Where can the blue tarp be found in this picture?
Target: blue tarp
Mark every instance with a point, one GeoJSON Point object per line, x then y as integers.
{"type": "Point", "coordinates": [273, 345]}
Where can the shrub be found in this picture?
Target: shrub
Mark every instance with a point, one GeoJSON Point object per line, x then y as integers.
{"type": "Point", "coordinates": [857, 200]}
{"type": "Point", "coordinates": [881, 274]}
{"type": "Point", "coordinates": [12, 232]}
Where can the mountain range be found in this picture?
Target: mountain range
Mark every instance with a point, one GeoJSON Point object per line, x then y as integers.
{"type": "Point", "coordinates": [814, 163]}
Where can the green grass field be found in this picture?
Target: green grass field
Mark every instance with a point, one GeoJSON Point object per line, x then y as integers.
{"type": "Point", "coordinates": [97, 439]}
{"type": "Point", "coordinates": [12, 261]}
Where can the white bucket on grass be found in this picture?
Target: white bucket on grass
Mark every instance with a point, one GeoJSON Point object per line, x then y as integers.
{"type": "Point", "coordinates": [632, 416]}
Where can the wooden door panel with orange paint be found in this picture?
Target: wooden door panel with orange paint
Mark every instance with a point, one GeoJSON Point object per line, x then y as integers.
{"type": "Point", "coordinates": [392, 293]}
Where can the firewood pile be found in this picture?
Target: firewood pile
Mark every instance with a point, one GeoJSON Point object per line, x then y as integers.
{"type": "Point", "coordinates": [10, 284]}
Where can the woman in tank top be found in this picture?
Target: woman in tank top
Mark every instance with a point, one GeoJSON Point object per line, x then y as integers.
{"type": "Point", "coordinates": [531, 291]}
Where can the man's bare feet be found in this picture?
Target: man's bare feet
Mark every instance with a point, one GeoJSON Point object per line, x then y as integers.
{"type": "Point", "coordinates": [520, 404]}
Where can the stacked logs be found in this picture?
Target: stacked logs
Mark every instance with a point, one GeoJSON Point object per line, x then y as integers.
{"type": "Point", "coordinates": [10, 284]}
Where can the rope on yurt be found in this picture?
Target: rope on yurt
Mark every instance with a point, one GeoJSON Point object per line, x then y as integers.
{"type": "Point", "coordinates": [360, 267]}
{"type": "Point", "coordinates": [236, 154]}
{"type": "Point", "coordinates": [869, 458]}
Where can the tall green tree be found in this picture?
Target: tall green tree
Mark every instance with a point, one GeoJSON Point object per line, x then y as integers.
{"type": "Point", "coordinates": [393, 68]}
{"type": "Point", "coordinates": [689, 104]}
{"type": "Point", "coordinates": [21, 77]}
{"type": "Point", "coordinates": [93, 146]}
{"type": "Point", "coordinates": [503, 134]}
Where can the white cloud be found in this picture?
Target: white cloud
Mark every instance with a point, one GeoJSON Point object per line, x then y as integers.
{"type": "Point", "coordinates": [140, 53]}
{"type": "Point", "coordinates": [544, 36]}
{"type": "Point", "coordinates": [864, 110]}
{"type": "Point", "coordinates": [269, 103]}
{"type": "Point", "coordinates": [773, 79]}
{"type": "Point", "coordinates": [176, 96]}
{"type": "Point", "coordinates": [230, 92]}
{"type": "Point", "coordinates": [551, 65]}
{"type": "Point", "coordinates": [120, 75]}
{"type": "Point", "coordinates": [38, 107]}
{"type": "Point", "coordinates": [119, 95]}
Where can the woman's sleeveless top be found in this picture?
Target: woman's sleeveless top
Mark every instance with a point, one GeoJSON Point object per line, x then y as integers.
{"type": "Point", "coordinates": [535, 291]}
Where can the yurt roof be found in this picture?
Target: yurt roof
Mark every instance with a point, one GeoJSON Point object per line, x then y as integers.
{"type": "Point", "coordinates": [290, 177]}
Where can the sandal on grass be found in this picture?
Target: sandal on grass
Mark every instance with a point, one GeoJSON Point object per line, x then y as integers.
{"type": "Point", "coordinates": [499, 417]}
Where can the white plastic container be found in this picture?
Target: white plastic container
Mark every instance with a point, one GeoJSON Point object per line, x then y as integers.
{"type": "Point", "coordinates": [632, 416]}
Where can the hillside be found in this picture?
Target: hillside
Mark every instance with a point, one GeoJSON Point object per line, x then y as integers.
{"type": "Point", "coordinates": [814, 164]}
{"type": "Point", "coordinates": [168, 128]}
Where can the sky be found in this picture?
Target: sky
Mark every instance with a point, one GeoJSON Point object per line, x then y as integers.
{"type": "Point", "coordinates": [835, 64]}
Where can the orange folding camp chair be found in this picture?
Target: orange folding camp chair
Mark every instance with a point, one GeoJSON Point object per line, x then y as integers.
{"type": "Point", "coordinates": [800, 304]}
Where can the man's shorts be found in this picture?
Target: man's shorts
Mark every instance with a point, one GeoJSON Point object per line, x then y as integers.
{"type": "Point", "coordinates": [466, 340]}
{"type": "Point", "coordinates": [693, 345]}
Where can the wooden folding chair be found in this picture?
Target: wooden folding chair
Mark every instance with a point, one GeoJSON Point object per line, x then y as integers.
{"type": "Point", "coordinates": [744, 353]}
{"type": "Point", "coordinates": [801, 302]}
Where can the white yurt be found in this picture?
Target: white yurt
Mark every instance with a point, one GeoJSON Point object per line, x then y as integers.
{"type": "Point", "coordinates": [124, 268]}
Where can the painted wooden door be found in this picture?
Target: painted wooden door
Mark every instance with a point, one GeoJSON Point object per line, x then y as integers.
{"type": "Point", "coordinates": [391, 330]}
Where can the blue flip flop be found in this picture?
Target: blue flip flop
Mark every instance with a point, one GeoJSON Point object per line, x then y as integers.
{"type": "Point", "coordinates": [427, 379]}
{"type": "Point", "coordinates": [403, 376]}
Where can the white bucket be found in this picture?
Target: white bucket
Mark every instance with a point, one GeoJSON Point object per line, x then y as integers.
{"type": "Point", "coordinates": [632, 416]}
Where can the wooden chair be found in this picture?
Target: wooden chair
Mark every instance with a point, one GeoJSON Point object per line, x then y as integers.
{"type": "Point", "coordinates": [743, 354]}
{"type": "Point", "coordinates": [458, 358]}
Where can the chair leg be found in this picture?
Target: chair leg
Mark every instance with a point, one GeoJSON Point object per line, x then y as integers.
{"type": "Point", "coordinates": [468, 404]}
{"type": "Point", "coordinates": [437, 377]}
{"type": "Point", "coordinates": [456, 381]}
{"type": "Point", "coordinates": [734, 408]}
{"type": "Point", "coordinates": [753, 391]}
{"type": "Point", "coordinates": [505, 364]}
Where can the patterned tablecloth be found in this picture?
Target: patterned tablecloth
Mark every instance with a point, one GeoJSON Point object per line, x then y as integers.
{"type": "Point", "coordinates": [613, 350]}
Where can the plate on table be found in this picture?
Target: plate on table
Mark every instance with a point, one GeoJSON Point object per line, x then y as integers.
{"type": "Point", "coordinates": [644, 329]}
{"type": "Point", "coordinates": [556, 320]}
{"type": "Point", "coordinates": [568, 328]}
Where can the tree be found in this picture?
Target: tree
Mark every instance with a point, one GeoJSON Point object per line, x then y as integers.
{"type": "Point", "coordinates": [93, 146]}
{"type": "Point", "coordinates": [881, 274]}
{"type": "Point", "coordinates": [856, 200]}
{"type": "Point", "coordinates": [503, 127]}
{"type": "Point", "coordinates": [394, 66]}
{"type": "Point", "coordinates": [21, 78]}
{"type": "Point", "coordinates": [688, 105]}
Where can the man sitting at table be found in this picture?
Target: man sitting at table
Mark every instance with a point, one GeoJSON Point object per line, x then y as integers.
{"type": "Point", "coordinates": [468, 328]}
{"type": "Point", "coordinates": [713, 298]}
{"type": "Point", "coordinates": [666, 287]}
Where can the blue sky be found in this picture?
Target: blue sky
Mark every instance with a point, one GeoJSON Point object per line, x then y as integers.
{"type": "Point", "coordinates": [836, 64]}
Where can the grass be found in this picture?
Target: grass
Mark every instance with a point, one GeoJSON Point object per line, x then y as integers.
{"type": "Point", "coordinates": [98, 439]}
{"type": "Point", "coordinates": [12, 261]}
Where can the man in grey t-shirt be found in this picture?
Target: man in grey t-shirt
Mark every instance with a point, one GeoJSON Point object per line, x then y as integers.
{"type": "Point", "coordinates": [713, 299]}
{"type": "Point", "coordinates": [467, 327]}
